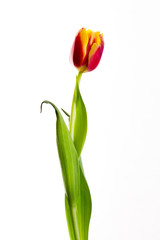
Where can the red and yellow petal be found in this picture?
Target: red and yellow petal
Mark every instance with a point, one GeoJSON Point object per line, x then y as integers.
{"type": "Point", "coordinates": [80, 48]}
{"type": "Point", "coordinates": [95, 55]}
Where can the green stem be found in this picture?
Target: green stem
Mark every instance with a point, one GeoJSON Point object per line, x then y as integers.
{"type": "Point", "coordinates": [79, 77]}
{"type": "Point", "coordinates": [73, 108]}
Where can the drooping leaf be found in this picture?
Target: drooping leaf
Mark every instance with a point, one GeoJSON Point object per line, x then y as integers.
{"type": "Point", "coordinates": [68, 158]}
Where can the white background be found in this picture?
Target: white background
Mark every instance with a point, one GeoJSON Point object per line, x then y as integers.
{"type": "Point", "coordinates": [121, 155]}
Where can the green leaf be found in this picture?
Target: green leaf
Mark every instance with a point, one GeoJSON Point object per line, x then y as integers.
{"type": "Point", "coordinates": [66, 113]}
{"type": "Point", "coordinates": [78, 120]}
{"type": "Point", "coordinates": [84, 207]}
{"type": "Point", "coordinates": [68, 158]}
{"type": "Point", "coordinates": [77, 199]}
{"type": "Point", "coordinates": [69, 219]}
{"type": "Point", "coordinates": [79, 216]}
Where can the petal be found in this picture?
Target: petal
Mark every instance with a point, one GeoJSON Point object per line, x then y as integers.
{"type": "Point", "coordinates": [80, 48]}
{"type": "Point", "coordinates": [98, 38]}
{"type": "Point", "coordinates": [91, 37]}
{"type": "Point", "coordinates": [94, 57]}
{"type": "Point", "coordinates": [95, 53]}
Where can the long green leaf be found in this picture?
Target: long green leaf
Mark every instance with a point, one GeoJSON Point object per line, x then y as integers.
{"type": "Point", "coordinates": [84, 207]}
{"type": "Point", "coordinates": [68, 158]}
{"type": "Point", "coordinates": [78, 120]}
{"type": "Point", "coordinates": [69, 219]}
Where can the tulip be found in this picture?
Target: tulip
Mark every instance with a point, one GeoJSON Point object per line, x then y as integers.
{"type": "Point", "coordinates": [86, 54]}
{"type": "Point", "coordinates": [87, 50]}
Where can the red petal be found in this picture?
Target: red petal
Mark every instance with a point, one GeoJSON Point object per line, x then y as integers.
{"type": "Point", "coordinates": [95, 55]}
{"type": "Point", "coordinates": [79, 48]}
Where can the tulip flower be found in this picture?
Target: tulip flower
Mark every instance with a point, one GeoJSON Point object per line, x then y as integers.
{"type": "Point", "coordinates": [87, 50]}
